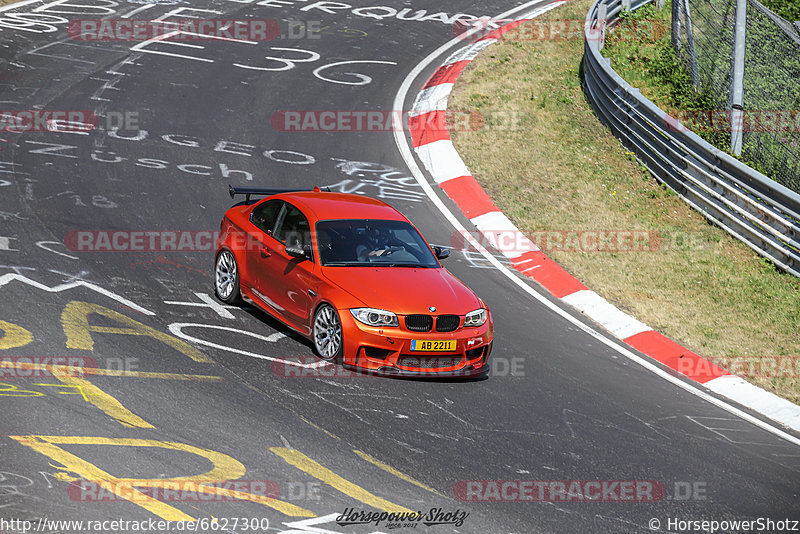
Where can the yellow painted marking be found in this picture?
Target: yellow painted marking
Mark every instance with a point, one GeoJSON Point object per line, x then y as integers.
{"type": "Point", "coordinates": [108, 372]}
{"type": "Point", "coordinates": [304, 463]}
{"type": "Point", "coordinates": [224, 468]}
{"type": "Point", "coordinates": [318, 427]}
{"type": "Point", "coordinates": [389, 469]}
{"type": "Point", "coordinates": [78, 389]}
{"type": "Point", "coordinates": [45, 445]}
{"type": "Point", "coordinates": [10, 390]}
{"type": "Point", "coordinates": [102, 400]}
{"type": "Point", "coordinates": [75, 320]}
{"type": "Point", "coordinates": [71, 376]}
{"type": "Point", "coordinates": [13, 336]}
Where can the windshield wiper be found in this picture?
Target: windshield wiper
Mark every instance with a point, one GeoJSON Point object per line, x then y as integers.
{"type": "Point", "coordinates": [414, 265]}
{"type": "Point", "coordinates": [375, 264]}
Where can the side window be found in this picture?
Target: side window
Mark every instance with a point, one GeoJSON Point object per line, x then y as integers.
{"type": "Point", "coordinates": [265, 215]}
{"type": "Point", "coordinates": [293, 228]}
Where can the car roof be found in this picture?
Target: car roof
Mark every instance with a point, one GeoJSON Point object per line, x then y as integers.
{"type": "Point", "coordinates": [324, 205]}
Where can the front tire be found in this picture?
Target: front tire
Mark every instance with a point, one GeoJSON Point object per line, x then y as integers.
{"type": "Point", "coordinates": [226, 278]}
{"type": "Point", "coordinates": [327, 334]}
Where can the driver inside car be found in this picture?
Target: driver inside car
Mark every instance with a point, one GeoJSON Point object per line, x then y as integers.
{"type": "Point", "coordinates": [377, 247]}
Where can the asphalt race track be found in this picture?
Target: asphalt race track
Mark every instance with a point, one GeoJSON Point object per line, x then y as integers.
{"type": "Point", "coordinates": [560, 405]}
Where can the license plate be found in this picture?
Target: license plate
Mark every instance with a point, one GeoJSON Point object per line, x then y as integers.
{"type": "Point", "coordinates": [434, 346]}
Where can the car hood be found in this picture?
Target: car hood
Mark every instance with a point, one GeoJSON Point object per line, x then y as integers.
{"type": "Point", "coordinates": [405, 290]}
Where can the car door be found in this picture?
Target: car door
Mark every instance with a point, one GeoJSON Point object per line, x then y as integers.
{"type": "Point", "coordinates": [262, 244]}
{"type": "Point", "coordinates": [292, 278]}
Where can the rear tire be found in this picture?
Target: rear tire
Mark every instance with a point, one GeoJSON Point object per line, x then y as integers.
{"type": "Point", "coordinates": [327, 334]}
{"type": "Point", "coordinates": [226, 278]}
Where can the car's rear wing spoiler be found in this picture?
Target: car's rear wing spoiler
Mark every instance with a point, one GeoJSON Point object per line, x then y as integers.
{"type": "Point", "coordinates": [264, 191]}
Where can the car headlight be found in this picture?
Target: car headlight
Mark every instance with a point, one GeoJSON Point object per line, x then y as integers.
{"type": "Point", "coordinates": [374, 317]}
{"type": "Point", "coordinates": [475, 318]}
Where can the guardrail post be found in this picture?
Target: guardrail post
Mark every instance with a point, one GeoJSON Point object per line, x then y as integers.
{"type": "Point", "coordinates": [626, 5]}
{"type": "Point", "coordinates": [737, 77]}
{"type": "Point", "coordinates": [602, 14]}
{"type": "Point", "coordinates": [676, 26]}
{"type": "Point", "coordinates": [690, 42]}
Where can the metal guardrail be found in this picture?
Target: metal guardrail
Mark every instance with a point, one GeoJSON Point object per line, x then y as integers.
{"type": "Point", "coordinates": [753, 208]}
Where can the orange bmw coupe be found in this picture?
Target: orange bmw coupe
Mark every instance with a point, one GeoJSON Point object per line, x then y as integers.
{"type": "Point", "coordinates": [354, 276]}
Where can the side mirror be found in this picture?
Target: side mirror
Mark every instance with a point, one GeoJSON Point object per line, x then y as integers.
{"type": "Point", "coordinates": [441, 252]}
{"type": "Point", "coordinates": [297, 251]}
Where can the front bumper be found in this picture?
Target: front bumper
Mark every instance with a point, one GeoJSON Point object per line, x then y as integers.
{"type": "Point", "coordinates": [387, 351]}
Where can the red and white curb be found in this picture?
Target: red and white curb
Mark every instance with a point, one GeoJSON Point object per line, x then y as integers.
{"type": "Point", "coordinates": [435, 150]}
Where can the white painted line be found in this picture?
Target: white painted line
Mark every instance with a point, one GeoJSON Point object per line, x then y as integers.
{"type": "Point", "coordinates": [758, 399]}
{"type": "Point", "coordinates": [10, 277]}
{"type": "Point", "coordinates": [408, 157]}
{"type": "Point", "coordinates": [309, 526]}
{"type": "Point", "coordinates": [612, 318]}
{"type": "Point", "coordinates": [41, 245]}
{"type": "Point", "coordinates": [541, 10]}
{"type": "Point", "coordinates": [442, 161]}
{"type": "Point", "coordinates": [468, 53]}
{"type": "Point", "coordinates": [432, 99]}
{"type": "Point", "coordinates": [207, 302]}
{"type": "Point", "coordinates": [177, 330]}
{"type": "Point", "coordinates": [129, 14]}
{"type": "Point", "coordinates": [5, 244]}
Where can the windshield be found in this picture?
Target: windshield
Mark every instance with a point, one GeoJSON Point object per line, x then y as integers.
{"type": "Point", "coordinates": [365, 243]}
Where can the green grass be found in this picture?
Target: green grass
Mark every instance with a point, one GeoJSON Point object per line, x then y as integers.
{"type": "Point", "coordinates": [560, 169]}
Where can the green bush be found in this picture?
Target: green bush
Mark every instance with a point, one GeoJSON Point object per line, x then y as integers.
{"type": "Point", "coordinates": [788, 9]}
